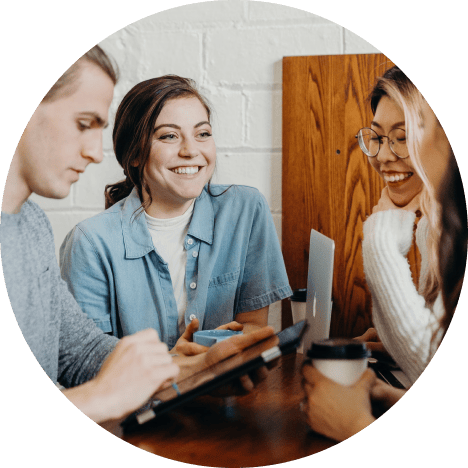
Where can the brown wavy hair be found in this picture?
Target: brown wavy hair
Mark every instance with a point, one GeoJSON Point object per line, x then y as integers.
{"type": "Point", "coordinates": [133, 131]}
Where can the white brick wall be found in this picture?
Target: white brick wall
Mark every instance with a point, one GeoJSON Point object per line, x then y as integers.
{"type": "Point", "coordinates": [234, 50]}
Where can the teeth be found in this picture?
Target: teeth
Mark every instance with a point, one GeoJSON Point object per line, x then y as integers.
{"type": "Point", "coordinates": [185, 170]}
{"type": "Point", "coordinates": [397, 177]}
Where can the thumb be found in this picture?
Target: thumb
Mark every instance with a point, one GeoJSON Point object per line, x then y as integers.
{"type": "Point", "coordinates": [192, 327]}
{"type": "Point", "coordinates": [367, 380]}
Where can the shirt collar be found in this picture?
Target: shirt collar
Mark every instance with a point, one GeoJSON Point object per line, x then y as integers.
{"type": "Point", "coordinates": [202, 224]}
{"type": "Point", "coordinates": [136, 235]}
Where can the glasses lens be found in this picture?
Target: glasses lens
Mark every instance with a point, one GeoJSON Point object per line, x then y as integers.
{"type": "Point", "coordinates": [397, 141]}
{"type": "Point", "coordinates": [368, 141]}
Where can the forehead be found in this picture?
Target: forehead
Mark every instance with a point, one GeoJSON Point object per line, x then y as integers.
{"type": "Point", "coordinates": [183, 109]}
{"type": "Point", "coordinates": [388, 112]}
{"type": "Point", "coordinates": [91, 92]}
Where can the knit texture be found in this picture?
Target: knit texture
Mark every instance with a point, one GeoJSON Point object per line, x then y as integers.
{"type": "Point", "coordinates": [67, 344]}
{"type": "Point", "coordinates": [403, 321]}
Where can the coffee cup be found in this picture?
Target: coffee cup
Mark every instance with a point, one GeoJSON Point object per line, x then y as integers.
{"type": "Point", "coordinates": [298, 309]}
{"type": "Point", "coordinates": [341, 360]}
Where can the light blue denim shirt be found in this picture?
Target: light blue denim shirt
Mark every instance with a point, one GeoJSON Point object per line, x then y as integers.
{"type": "Point", "coordinates": [234, 265]}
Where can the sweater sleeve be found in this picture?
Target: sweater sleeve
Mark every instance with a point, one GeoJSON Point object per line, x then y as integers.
{"type": "Point", "coordinates": [403, 322]}
{"type": "Point", "coordinates": [83, 347]}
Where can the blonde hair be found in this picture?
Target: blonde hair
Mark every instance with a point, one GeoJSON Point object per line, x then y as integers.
{"type": "Point", "coordinates": [410, 100]}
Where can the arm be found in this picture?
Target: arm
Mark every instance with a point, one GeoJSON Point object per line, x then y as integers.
{"type": "Point", "coordinates": [264, 279]}
{"type": "Point", "coordinates": [88, 278]}
{"type": "Point", "coordinates": [254, 319]}
{"type": "Point", "coordinates": [138, 367]}
{"type": "Point", "coordinates": [404, 323]}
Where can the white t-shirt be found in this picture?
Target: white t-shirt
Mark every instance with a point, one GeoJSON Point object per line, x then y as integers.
{"type": "Point", "coordinates": [168, 238]}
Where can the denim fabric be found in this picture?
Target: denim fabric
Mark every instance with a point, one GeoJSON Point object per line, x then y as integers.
{"type": "Point", "coordinates": [234, 264]}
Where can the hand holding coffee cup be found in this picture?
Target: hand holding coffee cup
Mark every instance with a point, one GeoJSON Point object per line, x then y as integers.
{"type": "Point", "coordinates": [341, 360]}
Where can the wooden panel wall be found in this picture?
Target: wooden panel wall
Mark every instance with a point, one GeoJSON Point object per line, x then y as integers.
{"type": "Point", "coordinates": [328, 184]}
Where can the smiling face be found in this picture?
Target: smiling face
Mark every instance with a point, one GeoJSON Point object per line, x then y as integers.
{"type": "Point", "coordinates": [65, 135]}
{"type": "Point", "coordinates": [402, 181]}
{"type": "Point", "coordinates": [182, 157]}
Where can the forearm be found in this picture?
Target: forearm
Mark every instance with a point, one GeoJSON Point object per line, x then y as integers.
{"type": "Point", "coordinates": [89, 401]}
{"type": "Point", "coordinates": [253, 320]}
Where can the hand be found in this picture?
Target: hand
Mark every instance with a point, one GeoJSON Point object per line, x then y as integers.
{"type": "Point", "coordinates": [139, 365]}
{"type": "Point", "coordinates": [185, 344]}
{"type": "Point", "coordinates": [372, 341]}
{"type": "Point", "coordinates": [386, 203]}
{"type": "Point", "coordinates": [334, 410]}
{"type": "Point", "coordinates": [227, 348]}
{"type": "Point", "coordinates": [385, 394]}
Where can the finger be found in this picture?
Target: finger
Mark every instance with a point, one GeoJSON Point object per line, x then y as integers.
{"type": "Point", "coordinates": [235, 326]}
{"type": "Point", "coordinates": [375, 346]}
{"type": "Point", "coordinates": [191, 349]}
{"type": "Point", "coordinates": [246, 383]}
{"type": "Point", "coordinates": [367, 380]}
{"type": "Point", "coordinates": [192, 327]}
{"type": "Point", "coordinates": [244, 341]}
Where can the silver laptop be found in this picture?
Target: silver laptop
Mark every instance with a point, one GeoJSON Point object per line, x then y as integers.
{"type": "Point", "coordinates": [319, 288]}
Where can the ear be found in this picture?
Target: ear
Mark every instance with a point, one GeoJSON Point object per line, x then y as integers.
{"type": "Point", "coordinates": [135, 163]}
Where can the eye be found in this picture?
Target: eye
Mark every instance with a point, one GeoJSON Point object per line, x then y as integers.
{"type": "Point", "coordinates": [204, 134]}
{"type": "Point", "coordinates": [168, 136]}
{"type": "Point", "coordinates": [83, 125]}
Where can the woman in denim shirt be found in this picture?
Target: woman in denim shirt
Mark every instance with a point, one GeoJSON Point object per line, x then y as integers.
{"type": "Point", "coordinates": [171, 251]}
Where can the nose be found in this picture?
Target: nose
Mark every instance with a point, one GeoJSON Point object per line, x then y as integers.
{"type": "Point", "coordinates": [385, 153]}
{"type": "Point", "coordinates": [188, 148]}
{"type": "Point", "coordinates": [92, 147]}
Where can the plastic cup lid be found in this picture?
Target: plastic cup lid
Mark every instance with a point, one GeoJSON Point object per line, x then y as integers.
{"type": "Point", "coordinates": [338, 348]}
{"type": "Point", "coordinates": [299, 295]}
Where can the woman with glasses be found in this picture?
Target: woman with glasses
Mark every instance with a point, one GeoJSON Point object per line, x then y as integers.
{"type": "Point", "coordinates": [404, 316]}
{"type": "Point", "coordinates": [410, 323]}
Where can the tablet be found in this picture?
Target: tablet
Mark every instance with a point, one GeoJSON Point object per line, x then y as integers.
{"type": "Point", "coordinates": [219, 374]}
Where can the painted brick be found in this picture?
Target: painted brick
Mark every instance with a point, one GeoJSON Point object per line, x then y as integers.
{"type": "Point", "coordinates": [227, 116]}
{"type": "Point", "coordinates": [194, 15]}
{"type": "Point", "coordinates": [248, 55]}
{"type": "Point", "coordinates": [264, 113]}
{"type": "Point", "coordinates": [63, 222]}
{"type": "Point", "coordinates": [262, 171]}
{"type": "Point", "coordinates": [354, 44]}
{"type": "Point", "coordinates": [277, 220]}
{"type": "Point", "coordinates": [274, 316]}
{"type": "Point", "coordinates": [89, 190]}
{"type": "Point", "coordinates": [263, 11]}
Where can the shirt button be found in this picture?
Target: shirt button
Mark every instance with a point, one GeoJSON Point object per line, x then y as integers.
{"type": "Point", "coordinates": [190, 242]}
{"type": "Point", "coordinates": [193, 316]}
{"type": "Point", "coordinates": [195, 254]}
{"type": "Point", "coordinates": [193, 285]}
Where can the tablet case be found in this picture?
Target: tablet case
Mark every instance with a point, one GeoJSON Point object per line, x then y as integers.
{"type": "Point", "coordinates": [219, 374]}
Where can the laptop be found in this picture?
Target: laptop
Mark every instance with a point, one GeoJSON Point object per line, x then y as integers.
{"type": "Point", "coordinates": [319, 288]}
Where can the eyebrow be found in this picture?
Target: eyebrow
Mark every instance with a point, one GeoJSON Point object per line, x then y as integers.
{"type": "Point", "coordinates": [96, 117]}
{"type": "Point", "coordinates": [199, 124]}
{"type": "Point", "coordinates": [398, 124]}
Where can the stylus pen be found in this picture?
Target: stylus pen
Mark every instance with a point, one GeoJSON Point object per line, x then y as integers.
{"type": "Point", "coordinates": [176, 388]}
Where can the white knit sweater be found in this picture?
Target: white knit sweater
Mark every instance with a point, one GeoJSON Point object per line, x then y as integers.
{"type": "Point", "coordinates": [403, 321]}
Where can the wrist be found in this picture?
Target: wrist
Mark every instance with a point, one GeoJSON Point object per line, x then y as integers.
{"type": "Point", "coordinates": [95, 403]}
{"type": "Point", "coordinates": [361, 423]}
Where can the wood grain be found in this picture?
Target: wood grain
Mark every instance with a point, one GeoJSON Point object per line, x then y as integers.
{"type": "Point", "coordinates": [262, 428]}
{"type": "Point", "coordinates": [328, 184]}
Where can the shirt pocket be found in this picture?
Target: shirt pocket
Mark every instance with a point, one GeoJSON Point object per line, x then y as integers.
{"type": "Point", "coordinates": [224, 279]}
{"type": "Point", "coordinates": [221, 300]}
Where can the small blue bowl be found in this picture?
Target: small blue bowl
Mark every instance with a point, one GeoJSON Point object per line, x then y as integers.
{"type": "Point", "coordinates": [211, 337]}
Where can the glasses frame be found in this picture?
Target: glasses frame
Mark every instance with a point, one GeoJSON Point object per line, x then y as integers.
{"type": "Point", "coordinates": [380, 138]}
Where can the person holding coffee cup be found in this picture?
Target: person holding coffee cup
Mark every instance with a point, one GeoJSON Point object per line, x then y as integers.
{"type": "Point", "coordinates": [339, 411]}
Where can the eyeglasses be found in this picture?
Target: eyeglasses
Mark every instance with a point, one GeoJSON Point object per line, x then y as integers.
{"type": "Point", "coordinates": [370, 142]}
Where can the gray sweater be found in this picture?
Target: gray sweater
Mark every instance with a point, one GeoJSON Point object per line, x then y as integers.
{"type": "Point", "coordinates": [67, 344]}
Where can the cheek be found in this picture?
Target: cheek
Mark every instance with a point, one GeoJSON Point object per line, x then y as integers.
{"type": "Point", "coordinates": [375, 165]}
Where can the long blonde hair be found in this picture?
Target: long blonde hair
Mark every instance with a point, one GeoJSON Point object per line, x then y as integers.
{"type": "Point", "coordinates": [410, 100]}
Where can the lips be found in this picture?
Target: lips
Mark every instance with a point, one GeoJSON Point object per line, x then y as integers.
{"type": "Point", "coordinates": [190, 170]}
{"type": "Point", "coordinates": [395, 177]}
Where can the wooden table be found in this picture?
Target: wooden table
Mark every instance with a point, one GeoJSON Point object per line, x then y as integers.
{"type": "Point", "coordinates": [262, 428]}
